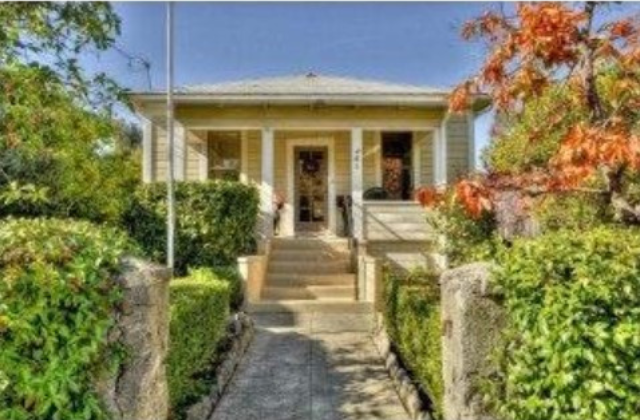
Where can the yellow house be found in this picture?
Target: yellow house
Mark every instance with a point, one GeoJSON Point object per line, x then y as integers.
{"type": "Point", "coordinates": [332, 157]}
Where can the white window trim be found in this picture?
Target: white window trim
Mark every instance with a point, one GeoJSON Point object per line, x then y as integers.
{"type": "Point", "coordinates": [287, 219]}
{"type": "Point", "coordinates": [147, 150]}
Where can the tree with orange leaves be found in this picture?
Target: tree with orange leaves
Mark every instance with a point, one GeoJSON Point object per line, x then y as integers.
{"type": "Point", "coordinates": [595, 62]}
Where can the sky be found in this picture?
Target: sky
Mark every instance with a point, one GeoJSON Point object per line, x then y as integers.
{"type": "Point", "coordinates": [414, 43]}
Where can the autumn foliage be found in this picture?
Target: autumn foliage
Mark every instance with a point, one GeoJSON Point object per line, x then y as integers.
{"type": "Point", "coordinates": [542, 46]}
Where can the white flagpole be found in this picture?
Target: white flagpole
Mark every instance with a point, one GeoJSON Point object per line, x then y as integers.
{"type": "Point", "coordinates": [171, 212]}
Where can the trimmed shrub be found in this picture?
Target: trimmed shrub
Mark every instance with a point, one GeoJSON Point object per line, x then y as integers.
{"type": "Point", "coordinates": [56, 309]}
{"type": "Point", "coordinates": [215, 222]}
{"type": "Point", "coordinates": [231, 275]}
{"type": "Point", "coordinates": [412, 318]}
{"type": "Point", "coordinates": [199, 316]}
{"type": "Point", "coordinates": [572, 345]}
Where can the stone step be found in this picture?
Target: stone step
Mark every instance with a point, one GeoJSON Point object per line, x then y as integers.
{"type": "Point", "coordinates": [329, 244]}
{"type": "Point", "coordinates": [308, 255]}
{"type": "Point", "coordinates": [308, 267]}
{"type": "Point", "coordinates": [309, 293]}
{"type": "Point", "coordinates": [283, 279]}
{"type": "Point", "coordinates": [310, 306]}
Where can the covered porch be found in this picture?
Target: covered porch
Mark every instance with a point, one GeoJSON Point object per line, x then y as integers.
{"type": "Point", "coordinates": [316, 181]}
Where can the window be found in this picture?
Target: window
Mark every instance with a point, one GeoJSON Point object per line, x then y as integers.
{"type": "Point", "coordinates": [397, 165]}
{"type": "Point", "coordinates": [224, 155]}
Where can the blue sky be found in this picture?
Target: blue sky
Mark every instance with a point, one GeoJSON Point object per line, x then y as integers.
{"type": "Point", "coordinates": [417, 43]}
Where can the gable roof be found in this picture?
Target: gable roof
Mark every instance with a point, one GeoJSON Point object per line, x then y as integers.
{"type": "Point", "coordinates": [307, 89]}
{"type": "Point", "coordinates": [311, 84]}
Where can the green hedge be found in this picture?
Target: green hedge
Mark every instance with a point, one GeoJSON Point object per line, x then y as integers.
{"type": "Point", "coordinates": [216, 222]}
{"type": "Point", "coordinates": [199, 315]}
{"type": "Point", "coordinates": [56, 309]}
{"type": "Point", "coordinates": [572, 346]}
{"type": "Point", "coordinates": [412, 319]}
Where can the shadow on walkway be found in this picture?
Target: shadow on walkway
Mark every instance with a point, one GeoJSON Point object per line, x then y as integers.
{"type": "Point", "coordinates": [311, 367]}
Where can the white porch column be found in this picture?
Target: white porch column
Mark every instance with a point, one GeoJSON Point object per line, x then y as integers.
{"type": "Point", "coordinates": [266, 187]}
{"type": "Point", "coordinates": [179, 151]}
{"type": "Point", "coordinates": [357, 183]}
{"type": "Point", "coordinates": [203, 163]}
{"type": "Point", "coordinates": [147, 150]}
{"type": "Point", "coordinates": [440, 154]}
{"type": "Point", "coordinates": [244, 157]}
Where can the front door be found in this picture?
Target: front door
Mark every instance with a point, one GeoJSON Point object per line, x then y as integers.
{"type": "Point", "coordinates": [311, 189]}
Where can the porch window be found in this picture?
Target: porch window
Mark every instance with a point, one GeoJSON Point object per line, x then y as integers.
{"type": "Point", "coordinates": [397, 165]}
{"type": "Point", "coordinates": [224, 155]}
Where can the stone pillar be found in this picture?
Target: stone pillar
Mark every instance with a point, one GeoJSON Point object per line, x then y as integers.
{"type": "Point", "coordinates": [139, 390]}
{"type": "Point", "coordinates": [369, 279]}
{"type": "Point", "coordinates": [357, 183]}
{"type": "Point", "coordinates": [266, 187]}
{"type": "Point", "coordinates": [472, 323]}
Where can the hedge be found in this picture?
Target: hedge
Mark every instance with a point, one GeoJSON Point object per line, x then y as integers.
{"type": "Point", "coordinates": [215, 222]}
{"type": "Point", "coordinates": [412, 320]}
{"type": "Point", "coordinates": [56, 307]}
{"type": "Point", "coordinates": [199, 315]}
{"type": "Point", "coordinates": [572, 345]}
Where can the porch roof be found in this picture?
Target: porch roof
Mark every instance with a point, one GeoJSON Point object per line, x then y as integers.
{"type": "Point", "coordinates": [308, 89]}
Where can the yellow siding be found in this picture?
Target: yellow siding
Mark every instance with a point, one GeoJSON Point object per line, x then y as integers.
{"type": "Point", "coordinates": [254, 163]}
{"type": "Point", "coordinates": [424, 140]}
{"type": "Point", "coordinates": [302, 117]}
{"type": "Point", "coordinates": [159, 153]}
{"type": "Point", "coordinates": [342, 144]}
{"type": "Point", "coordinates": [457, 147]}
{"type": "Point", "coordinates": [370, 157]}
{"type": "Point", "coordinates": [281, 166]}
{"type": "Point", "coordinates": [196, 147]}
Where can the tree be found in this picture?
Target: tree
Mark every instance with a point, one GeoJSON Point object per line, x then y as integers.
{"type": "Point", "coordinates": [50, 36]}
{"type": "Point", "coordinates": [61, 152]}
{"type": "Point", "coordinates": [58, 158]}
{"type": "Point", "coordinates": [591, 62]}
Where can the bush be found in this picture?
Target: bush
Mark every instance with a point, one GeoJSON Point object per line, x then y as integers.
{"type": "Point", "coordinates": [467, 239]}
{"type": "Point", "coordinates": [56, 309]}
{"type": "Point", "coordinates": [572, 346]}
{"type": "Point", "coordinates": [412, 318]}
{"type": "Point", "coordinates": [199, 315]}
{"type": "Point", "coordinates": [80, 162]}
{"type": "Point", "coordinates": [215, 222]}
{"type": "Point", "coordinates": [230, 275]}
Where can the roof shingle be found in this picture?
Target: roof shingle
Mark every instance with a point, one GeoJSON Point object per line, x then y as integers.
{"type": "Point", "coordinates": [310, 84]}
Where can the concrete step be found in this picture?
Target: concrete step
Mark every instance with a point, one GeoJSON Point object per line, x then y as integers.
{"type": "Point", "coordinates": [400, 218]}
{"type": "Point", "coordinates": [310, 306]}
{"type": "Point", "coordinates": [308, 255]}
{"type": "Point", "coordinates": [309, 293]}
{"type": "Point", "coordinates": [335, 244]}
{"type": "Point", "coordinates": [284, 280]}
{"type": "Point", "coordinates": [309, 267]}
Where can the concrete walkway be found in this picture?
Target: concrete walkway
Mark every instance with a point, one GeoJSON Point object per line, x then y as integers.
{"type": "Point", "coordinates": [311, 367]}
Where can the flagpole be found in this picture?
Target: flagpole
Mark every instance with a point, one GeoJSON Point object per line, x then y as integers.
{"type": "Point", "coordinates": [171, 215]}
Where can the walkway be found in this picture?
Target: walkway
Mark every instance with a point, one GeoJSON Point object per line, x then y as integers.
{"type": "Point", "coordinates": [311, 367]}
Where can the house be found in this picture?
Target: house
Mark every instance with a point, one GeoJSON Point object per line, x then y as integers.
{"type": "Point", "coordinates": [339, 157]}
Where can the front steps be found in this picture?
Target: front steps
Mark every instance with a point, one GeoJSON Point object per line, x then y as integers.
{"type": "Point", "coordinates": [310, 275]}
